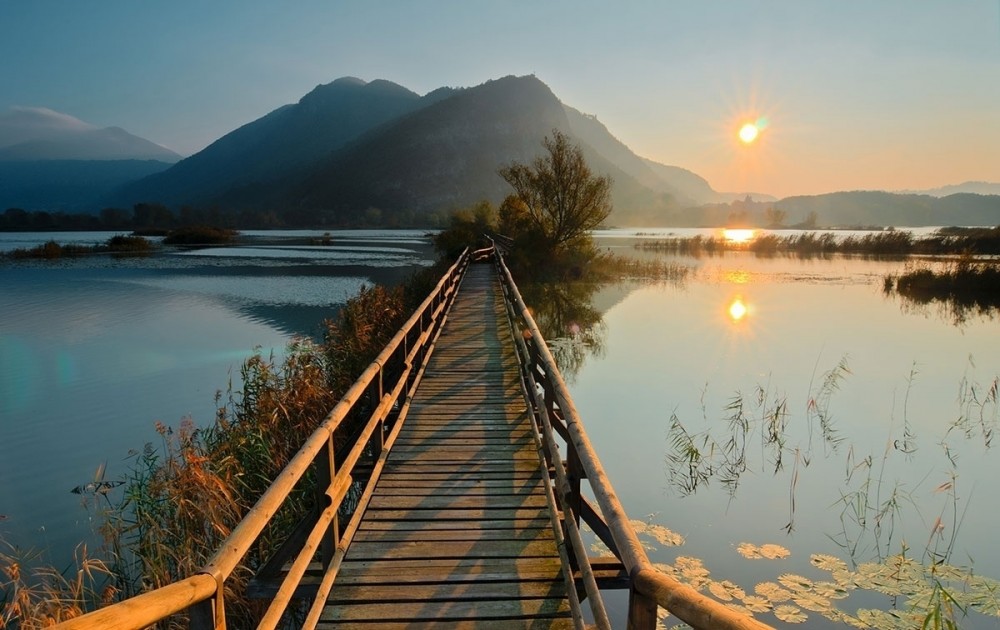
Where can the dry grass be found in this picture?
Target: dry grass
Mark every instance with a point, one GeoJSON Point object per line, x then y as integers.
{"type": "Point", "coordinates": [33, 596]}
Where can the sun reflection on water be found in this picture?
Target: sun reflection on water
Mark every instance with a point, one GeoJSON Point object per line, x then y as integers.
{"type": "Point", "coordinates": [738, 309]}
{"type": "Point", "coordinates": [737, 276]}
{"type": "Point", "coordinates": [738, 235]}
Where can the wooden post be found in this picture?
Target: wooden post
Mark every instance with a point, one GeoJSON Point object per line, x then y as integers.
{"type": "Point", "coordinates": [574, 472]}
{"type": "Point", "coordinates": [325, 468]}
{"type": "Point", "coordinates": [641, 611]}
{"type": "Point", "coordinates": [202, 616]}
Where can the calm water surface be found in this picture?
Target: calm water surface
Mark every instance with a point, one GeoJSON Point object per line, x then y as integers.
{"type": "Point", "coordinates": [93, 351]}
{"type": "Point", "coordinates": [895, 474]}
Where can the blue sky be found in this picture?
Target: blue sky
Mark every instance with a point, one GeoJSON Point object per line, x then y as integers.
{"type": "Point", "coordinates": [856, 95]}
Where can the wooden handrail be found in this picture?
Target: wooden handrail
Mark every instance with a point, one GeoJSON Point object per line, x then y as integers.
{"type": "Point", "coordinates": [649, 587]}
{"type": "Point", "coordinates": [146, 609]}
{"type": "Point", "coordinates": [207, 587]}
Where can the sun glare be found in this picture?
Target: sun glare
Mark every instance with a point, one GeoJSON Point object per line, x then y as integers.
{"type": "Point", "coordinates": [737, 310]}
{"type": "Point", "coordinates": [749, 132]}
{"type": "Point", "coordinates": [737, 235]}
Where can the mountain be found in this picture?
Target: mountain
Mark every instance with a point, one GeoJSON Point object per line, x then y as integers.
{"type": "Point", "coordinates": [67, 185]}
{"type": "Point", "coordinates": [53, 161]}
{"type": "Point", "coordinates": [32, 133]}
{"type": "Point", "coordinates": [283, 145]}
{"type": "Point", "coordinates": [883, 208]}
{"type": "Point", "coordinates": [351, 147]}
{"type": "Point", "coordinates": [977, 188]}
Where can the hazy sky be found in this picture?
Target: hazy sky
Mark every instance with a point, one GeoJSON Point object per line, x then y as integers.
{"type": "Point", "coordinates": [856, 94]}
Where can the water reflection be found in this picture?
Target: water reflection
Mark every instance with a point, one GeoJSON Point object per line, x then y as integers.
{"type": "Point", "coordinates": [94, 350]}
{"type": "Point", "coordinates": [570, 323]}
{"type": "Point", "coordinates": [738, 235]}
{"type": "Point", "coordinates": [960, 290]}
{"type": "Point", "coordinates": [737, 310]}
{"type": "Point", "coordinates": [738, 276]}
{"type": "Point", "coordinates": [855, 461]}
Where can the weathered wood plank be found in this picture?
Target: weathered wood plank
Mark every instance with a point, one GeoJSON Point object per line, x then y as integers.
{"type": "Point", "coordinates": [415, 550]}
{"type": "Point", "coordinates": [537, 623]}
{"type": "Point", "coordinates": [365, 594]}
{"type": "Point", "coordinates": [421, 504]}
{"type": "Point", "coordinates": [445, 524]}
{"type": "Point", "coordinates": [450, 566]}
{"type": "Point", "coordinates": [503, 514]}
{"type": "Point", "coordinates": [427, 535]}
{"type": "Point", "coordinates": [434, 476]}
{"type": "Point", "coordinates": [458, 531]}
{"type": "Point", "coordinates": [418, 487]}
{"type": "Point", "coordinates": [439, 612]}
{"type": "Point", "coordinates": [463, 439]}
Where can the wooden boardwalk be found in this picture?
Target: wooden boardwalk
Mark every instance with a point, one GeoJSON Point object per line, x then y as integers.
{"type": "Point", "coordinates": [456, 528]}
{"type": "Point", "coordinates": [459, 530]}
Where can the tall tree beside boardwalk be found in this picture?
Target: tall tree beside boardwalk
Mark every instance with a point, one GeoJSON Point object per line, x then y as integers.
{"type": "Point", "coordinates": [557, 198]}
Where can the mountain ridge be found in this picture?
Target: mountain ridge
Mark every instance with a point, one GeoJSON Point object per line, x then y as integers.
{"type": "Point", "coordinates": [353, 151]}
{"type": "Point", "coordinates": [37, 133]}
{"type": "Point", "coordinates": [431, 155]}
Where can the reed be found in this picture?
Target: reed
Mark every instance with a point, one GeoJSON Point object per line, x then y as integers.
{"type": "Point", "coordinates": [888, 243]}
{"type": "Point", "coordinates": [963, 288]}
{"type": "Point", "coordinates": [36, 595]}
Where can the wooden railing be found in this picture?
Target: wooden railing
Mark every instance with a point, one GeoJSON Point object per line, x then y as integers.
{"type": "Point", "coordinates": [382, 392]}
{"type": "Point", "coordinates": [555, 414]}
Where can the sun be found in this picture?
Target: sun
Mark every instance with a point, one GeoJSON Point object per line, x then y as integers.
{"type": "Point", "coordinates": [749, 132]}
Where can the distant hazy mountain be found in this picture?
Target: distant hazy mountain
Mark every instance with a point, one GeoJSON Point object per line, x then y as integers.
{"type": "Point", "coordinates": [977, 188]}
{"type": "Point", "coordinates": [31, 133]}
{"type": "Point", "coordinates": [684, 186]}
{"type": "Point", "coordinates": [67, 185]}
{"type": "Point", "coordinates": [352, 147]}
{"type": "Point", "coordinates": [53, 161]}
{"type": "Point", "coordinates": [883, 208]}
{"type": "Point", "coordinates": [281, 147]}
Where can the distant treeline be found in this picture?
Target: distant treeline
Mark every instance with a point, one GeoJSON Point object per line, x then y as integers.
{"type": "Point", "coordinates": [158, 217]}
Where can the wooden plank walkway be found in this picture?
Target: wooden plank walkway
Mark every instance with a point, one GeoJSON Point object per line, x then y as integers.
{"type": "Point", "coordinates": [458, 531]}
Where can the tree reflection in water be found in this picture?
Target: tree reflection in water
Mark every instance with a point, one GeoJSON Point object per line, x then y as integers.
{"type": "Point", "coordinates": [572, 327]}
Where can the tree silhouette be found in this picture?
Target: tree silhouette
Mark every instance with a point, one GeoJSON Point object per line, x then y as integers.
{"type": "Point", "coordinates": [557, 197]}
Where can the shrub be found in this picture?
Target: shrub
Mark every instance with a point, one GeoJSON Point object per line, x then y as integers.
{"type": "Point", "coordinates": [200, 235]}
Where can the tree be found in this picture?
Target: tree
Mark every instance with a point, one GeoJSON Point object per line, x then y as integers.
{"type": "Point", "coordinates": [775, 218]}
{"type": "Point", "coordinates": [465, 229]}
{"type": "Point", "coordinates": [115, 218]}
{"type": "Point", "coordinates": [561, 200]}
{"type": "Point", "coordinates": [152, 215]}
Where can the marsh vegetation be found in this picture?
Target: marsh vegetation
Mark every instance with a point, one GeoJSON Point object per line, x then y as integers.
{"type": "Point", "coordinates": [962, 288]}
{"type": "Point", "coordinates": [890, 242]}
{"type": "Point", "coordinates": [119, 244]}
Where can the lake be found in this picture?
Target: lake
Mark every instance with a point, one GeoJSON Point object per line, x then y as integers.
{"type": "Point", "coordinates": [878, 410]}
{"type": "Point", "coordinates": [95, 350]}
